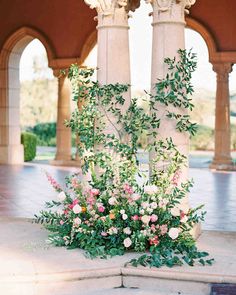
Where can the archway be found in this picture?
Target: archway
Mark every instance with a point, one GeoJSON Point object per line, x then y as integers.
{"type": "Point", "coordinates": [38, 100]}
{"type": "Point", "coordinates": [11, 150]}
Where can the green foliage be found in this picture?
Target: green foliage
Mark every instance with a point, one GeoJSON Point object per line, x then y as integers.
{"type": "Point", "coordinates": [29, 142]}
{"type": "Point", "coordinates": [45, 132]}
{"type": "Point", "coordinates": [107, 211]}
{"type": "Point", "coordinates": [204, 139]}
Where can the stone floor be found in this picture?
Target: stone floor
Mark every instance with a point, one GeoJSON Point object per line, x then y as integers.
{"type": "Point", "coordinates": [24, 189]}
{"type": "Point", "coordinates": [30, 266]}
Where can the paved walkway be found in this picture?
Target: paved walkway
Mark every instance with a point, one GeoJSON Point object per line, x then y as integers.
{"type": "Point", "coordinates": [29, 266]}
{"type": "Point", "coordinates": [24, 189]}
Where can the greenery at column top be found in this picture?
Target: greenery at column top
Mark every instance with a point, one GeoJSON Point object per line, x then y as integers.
{"type": "Point", "coordinates": [113, 208]}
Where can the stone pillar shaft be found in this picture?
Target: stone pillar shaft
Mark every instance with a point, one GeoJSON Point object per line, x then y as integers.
{"type": "Point", "coordinates": [113, 59]}
{"type": "Point", "coordinates": [63, 153]}
{"type": "Point", "coordinates": [222, 158]}
{"type": "Point", "coordinates": [168, 38]}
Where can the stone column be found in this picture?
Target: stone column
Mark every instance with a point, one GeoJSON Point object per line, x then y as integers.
{"type": "Point", "coordinates": [63, 136]}
{"type": "Point", "coordinates": [113, 60]}
{"type": "Point", "coordinates": [222, 159]}
{"type": "Point", "coordinates": [11, 150]}
{"type": "Point", "coordinates": [168, 38]}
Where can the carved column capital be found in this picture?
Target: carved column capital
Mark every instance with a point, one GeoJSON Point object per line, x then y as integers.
{"type": "Point", "coordinates": [108, 7]}
{"type": "Point", "coordinates": [222, 70]}
{"type": "Point", "coordinates": [173, 10]}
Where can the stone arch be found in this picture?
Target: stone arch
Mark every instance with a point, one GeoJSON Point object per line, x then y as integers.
{"type": "Point", "coordinates": [11, 150]}
{"type": "Point", "coordinates": [89, 44]}
{"type": "Point", "coordinates": [206, 35]}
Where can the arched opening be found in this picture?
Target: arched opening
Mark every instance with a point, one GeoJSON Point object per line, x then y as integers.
{"type": "Point", "coordinates": [38, 100]}
{"type": "Point", "coordinates": [11, 150]}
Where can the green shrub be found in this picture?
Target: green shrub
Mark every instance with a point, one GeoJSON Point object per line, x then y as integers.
{"type": "Point", "coordinates": [29, 142]}
{"type": "Point", "coordinates": [45, 132]}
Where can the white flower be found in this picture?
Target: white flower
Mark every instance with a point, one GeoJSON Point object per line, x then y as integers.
{"type": "Point", "coordinates": [127, 242]}
{"type": "Point", "coordinates": [145, 219]}
{"type": "Point", "coordinates": [127, 231]}
{"type": "Point", "coordinates": [61, 196]}
{"type": "Point", "coordinates": [174, 233]}
{"type": "Point", "coordinates": [145, 205]}
{"type": "Point", "coordinates": [112, 231]}
{"type": "Point", "coordinates": [141, 211]}
{"type": "Point", "coordinates": [154, 205]}
{"type": "Point", "coordinates": [163, 203]}
{"type": "Point", "coordinates": [184, 219]}
{"type": "Point", "coordinates": [112, 201]}
{"type": "Point", "coordinates": [77, 221]}
{"type": "Point", "coordinates": [175, 211]}
{"type": "Point", "coordinates": [88, 154]}
{"type": "Point", "coordinates": [122, 211]}
{"type": "Point", "coordinates": [77, 209]}
{"type": "Point", "coordinates": [151, 189]}
{"type": "Point", "coordinates": [149, 210]}
{"type": "Point", "coordinates": [124, 216]}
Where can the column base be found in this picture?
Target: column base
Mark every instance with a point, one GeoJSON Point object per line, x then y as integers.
{"type": "Point", "coordinates": [223, 165]}
{"type": "Point", "coordinates": [12, 154]}
{"type": "Point", "coordinates": [68, 163]}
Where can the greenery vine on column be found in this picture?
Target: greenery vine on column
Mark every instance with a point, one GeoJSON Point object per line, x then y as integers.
{"type": "Point", "coordinates": [107, 210]}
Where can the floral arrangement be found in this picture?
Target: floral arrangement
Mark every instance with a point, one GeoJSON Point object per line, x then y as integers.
{"type": "Point", "coordinates": [107, 210]}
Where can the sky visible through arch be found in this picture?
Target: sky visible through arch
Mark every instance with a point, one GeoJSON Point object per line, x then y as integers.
{"type": "Point", "coordinates": [140, 52]}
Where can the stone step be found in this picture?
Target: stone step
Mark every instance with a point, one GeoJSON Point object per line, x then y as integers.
{"type": "Point", "coordinates": [127, 291]}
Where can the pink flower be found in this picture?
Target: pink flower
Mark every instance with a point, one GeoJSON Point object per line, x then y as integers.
{"type": "Point", "coordinates": [128, 189]}
{"type": "Point", "coordinates": [135, 197]}
{"type": "Point", "coordinates": [75, 183]}
{"type": "Point", "coordinates": [103, 233]}
{"type": "Point", "coordinates": [163, 229]}
{"type": "Point", "coordinates": [101, 208]}
{"type": "Point", "coordinates": [75, 202]}
{"type": "Point", "coordinates": [154, 218]}
{"type": "Point", "coordinates": [53, 182]}
{"type": "Point", "coordinates": [91, 200]}
{"type": "Point", "coordinates": [153, 228]}
{"type": "Point", "coordinates": [61, 222]}
{"type": "Point", "coordinates": [154, 241]}
{"type": "Point", "coordinates": [135, 217]}
{"type": "Point", "coordinates": [176, 177]}
{"type": "Point", "coordinates": [94, 192]}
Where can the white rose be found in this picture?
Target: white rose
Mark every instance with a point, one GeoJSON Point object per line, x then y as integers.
{"type": "Point", "coordinates": [122, 211]}
{"type": "Point", "coordinates": [145, 219]}
{"type": "Point", "coordinates": [175, 211]}
{"type": "Point", "coordinates": [127, 242]}
{"type": "Point", "coordinates": [61, 196]}
{"type": "Point", "coordinates": [141, 211]}
{"type": "Point", "coordinates": [174, 233]}
{"type": "Point", "coordinates": [151, 189]}
{"type": "Point", "coordinates": [145, 205]}
{"type": "Point", "coordinates": [127, 230]}
{"type": "Point", "coordinates": [124, 216]}
{"type": "Point", "coordinates": [77, 209]}
{"type": "Point", "coordinates": [77, 221]}
{"type": "Point", "coordinates": [154, 205]}
{"type": "Point", "coordinates": [112, 201]}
